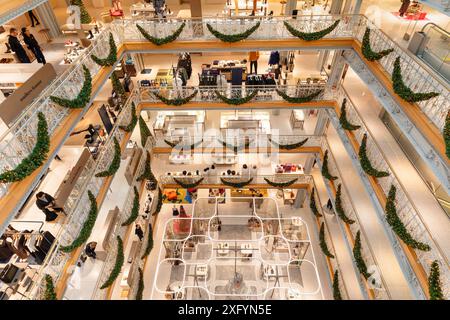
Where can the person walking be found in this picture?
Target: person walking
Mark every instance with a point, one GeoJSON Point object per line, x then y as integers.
{"type": "Point", "coordinates": [16, 47]}
{"type": "Point", "coordinates": [139, 232]}
{"type": "Point", "coordinates": [33, 45]}
{"type": "Point", "coordinates": [33, 18]}
{"type": "Point", "coordinates": [253, 58]}
{"type": "Point", "coordinates": [90, 250]}
{"type": "Point", "coordinates": [46, 203]}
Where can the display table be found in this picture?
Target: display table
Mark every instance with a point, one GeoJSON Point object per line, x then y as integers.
{"type": "Point", "coordinates": [142, 8]}
{"type": "Point", "coordinates": [293, 294]}
{"type": "Point", "coordinates": [297, 119]}
{"type": "Point", "coordinates": [246, 251]}
{"type": "Point", "coordinates": [223, 248]}
{"type": "Point", "coordinates": [201, 270]}
{"type": "Point", "coordinates": [247, 193]}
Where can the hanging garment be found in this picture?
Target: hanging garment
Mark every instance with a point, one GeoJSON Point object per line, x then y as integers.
{"type": "Point", "coordinates": [274, 58]}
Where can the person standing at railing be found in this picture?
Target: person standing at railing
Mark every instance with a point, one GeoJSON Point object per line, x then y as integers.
{"type": "Point", "coordinates": [16, 46]}
{"type": "Point", "coordinates": [33, 45]}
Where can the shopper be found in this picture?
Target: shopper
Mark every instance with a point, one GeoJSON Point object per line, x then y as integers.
{"type": "Point", "coordinates": [16, 47]}
{"type": "Point", "coordinates": [46, 203]}
{"type": "Point", "coordinates": [245, 171]}
{"type": "Point", "coordinates": [329, 205]}
{"type": "Point", "coordinates": [33, 18]}
{"type": "Point", "coordinates": [138, 231]}
{"type": "Point", "coordinates": [253, 171]}
{"type": "Point", "coordinates": [213, 174]}
{"type": "Point", "coordinates": [90, 250]}
{"type": "Point", "coordinates": [253, 58]}
{"type": "Point", "coordinates": [33, 45]}
{"type": "Point", "coordinates": [175, 211]}
{"type": "Point", "coordinates": [92, 132]}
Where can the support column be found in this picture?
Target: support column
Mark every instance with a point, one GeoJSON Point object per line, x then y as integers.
{"type": "Point", "coordinates": [138, 60]}
{"type": "Point", "coordinates": [196, 12]}
{"type": "Point", "coordinates": [337, 69]}
{"type": "Point", "coordinates": [290, 5]}
{"type": "Point", "coordinates": [309, 163]}
{"type": "Point", "coordinates": [48, 19]}
{"type": "Point", "coordinates": [300, 198]}
{"type": "Point", "coordinates": [322, 121]}
{"type": "Point", "coordinates": [336, 6]}
{"type": "Point", "coordinates": [357, 8]}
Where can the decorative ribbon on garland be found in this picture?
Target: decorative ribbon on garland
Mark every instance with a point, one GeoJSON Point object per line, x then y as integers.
{"type": "Point", "coordinates": [232, 37]}
{"type": "Point", "coordinates": [35, 159]}
{"type": "Point", "coordinates": [289, 146]}
{"type": "Point", "coordinates": [112, 56]}
{"type": "Point", "coordinates": [365, 162]}
{"type": "Point", "coordinates": [115, 163]}
{"type": "Point", "coordinates": [397, 225]}
{"type": "Point", "coordinates": [360, 263]}
{"type": "Point", "coordinates": [235, 148]}
{"type": "Point", "coordinates": [323, 243]}
{"type": "Point", "coordinates": [310, 36]}
{"type": "Point", "coordinates": [86, 230]}
{"type": "Point", "coordinates": [236, 101]}
{"type": "Point", "coordinates": [83, 97]}
{"type": "Point", "coordinates": [188, 185]}
{"type": "Point", "coordinates": [236, 185]}
{"type": "Point", "coordinates": [134, 210]}
{"type": "Point", "coordinates": [339, 209]}
{"type": "Point", "coordinates": [281, 184]}
{"type": "Point", "coordinates": [403, 91]}
{"type": "Point", "coordinates": [120, 258]}
{"type": "Point", "coordinates": [367, 51]}
{"type": "Point", "coordinates": [176, 101]}
{"type": "Point", "coordinates": [134, 119]}
{"type": "Point", "coordinates": [303, 99]}
{"type": "Point", "coordinates": [345, 124]}
{"type": "Point", "coordinates": [161, 41]}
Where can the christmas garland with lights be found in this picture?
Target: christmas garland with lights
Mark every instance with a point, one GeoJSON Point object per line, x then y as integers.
{"type": "Point", "coordinates": [303, 99]}
{"type": "Point", "coordinates": [310, 36]}
{"type": "Point", "coordinates": [236, 185]}
{"type": "Point", "coordinates": [233, 37]}
{"type": "Point", "coordinates": [117, 85]}
{"type": "Point", "coordinates": [35, 159]}
{"type": "Point", "coordinates": [235, 148]}
{"type": "Point", "coordinates": [367, 51]}
{"type": "Point", "coordinates": [84, 14]}
{"type": "Point", "coordinates": [161, 41]}
{"type": "Point", "coordinates": [188, 185]}
{"type": "Point", "coordinates": [325, 172]}
{"type": "Point", "coordinates": [281, 184]}
{"type": "Point", "coordinates": [323, 243]}
{"type": "Point", "coordinates": [140, 289]}
{"type": "Point", "coordinates": [336, 290]}
{"type": "Point", "coordinates": [49, 293]}
{"type": "Point", "coordinates": [397, 225]}
{"type": "Point", "coordinates": [160, 202]}
{"type": "Point", "coordinates": [148, 174]}
{"type": "Point", "coordinates": [120, 258]}
{"type": "Point", "coordinates": [357, 255]}
{"type": "Point", "coordinates": [87, 227]}
{"type": "Point", "coordinates": [134, 210]}
{"type": "Point", "coordinates": [134, 119]}
{"type": "Point", "coordinates": [447, 134]}
{"type": "Point", "coordinates": [403, 91]}
{"type": "Point", "coordinates": [112, 56]}
{"type": "Point", "coordinates": [434, 282]}
{"type": "Point", "coordinates": [339, 209]}
{"type": "Point", "coordinates": [149, 246]}
{"type": "Point", "coordinates": [145, 131]}
{"type": "Point", "coordinates": [83, 97]}
{"type": "Point", "coordinates": [345, 124]}
{"type": "Point", "coordinates": [115, 163]}
{"type": "Point", "coordinates": [176, 101]}
{"type": "Point", "coordinates": [236, 101]}
{"type": "Point", "coordinates": [289, 146]}
{"type": "Point", "coordinates": [312, 204]}
{"type": "Point", "coordinates": [365, 162]}
{"type": "Point", "coordinates": [176, 145]}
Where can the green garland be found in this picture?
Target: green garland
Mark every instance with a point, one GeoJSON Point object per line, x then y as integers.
{"type": "Point", "coordinates": [236, 185]}
{"type": "Point", "coordinates": [403, 91]}
{"type": "Point", "coordinates": [345, 124]}
{"type": "Point", "coordinates": [117, 266]}
{"type": "Point", "coordinates": [367, 51]}
{"type": "Point", "coordinates": [88, 225]}
{"type": "Point", "coordinates": [288, 146]}
{"type": "Point", "coordinates": [233, 37]}
{"type": "Point", "coordinates": [236, 101]}
{"type": "Point", "coordinates": [323, 243]}
{"type": "Point", "coordinates": [149, 246]}
{"type": "Point", "coordinates": [397, 225]}
{"type": "Point", "coordinates": [148, 174]}
{"type": "Point", "coordinates": [115, 163]}
{"type": "Point", "coordinates": [145, 131]}
{"type": "Point", "coordinates": [160, 202]}
{"type": "Point", "coordinates": [176, 101]}
{"type": "Point", "coordinates": [339, 209]}
{"type": "Point", "coordinates": [112, 56]}
{"type": "Point", "coordinates": [188, 185]}
{"type": "Point", "coordinates": [35, 159]}
{"type": "Point", "coordinates": [84, 14]}
{"type": "Point", "coordinates": [336, 290]}
{"type": "Point", "coordinates": [117, 86]}
{"type": "Point", "coordinates": [310, 36]}
{"type": "Point", "coordinates": [312, 204]}
{"type": "Point", "coordinates": [434, 282]}
{"type": "Point", "coordinates": [161, 41]}
{"type": "Point", "coordinates": [235, 148]}
{"type": "Point", "coordinates": [303, 99]}
{"type": "Point", "coordinates": [360, 263]}
{"type": "Point", "coordinates": [83, 97]}
{"type": "Point", "coordinates": [49, 293]}
{"type": "Point", "coordinates": [325, 171]}
{"type": "Point", "coordinates": [134, 119]}
{"type": "Point", "coordinates": [134, 210]}
{"type": "Point", "coordinates": [281, 184]}
{"type": "Point", "coordinates": [365, 162]}
{"type": "Point", "coordinates": [447, 134]}
{"type": "Point", "coordinates": [140, 289]}
{"type": "Point", "coordinates": [176, 145]}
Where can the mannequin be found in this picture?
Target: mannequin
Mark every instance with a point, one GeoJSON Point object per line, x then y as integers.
{"type": "Point", "coordinates": [253, 58]}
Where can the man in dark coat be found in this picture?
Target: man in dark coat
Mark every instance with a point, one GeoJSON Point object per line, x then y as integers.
{"type": "Point", "coordinates": [33, 45]}
{"type": "Point", "coordinates": [15, 46]}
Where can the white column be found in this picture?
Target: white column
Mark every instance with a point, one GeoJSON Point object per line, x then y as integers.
{"type": "Point", "coordinates": [290, 5]}
{"type": "Point", "coordinates": [300, 198]}
{"type": "Point", "coordinates": [48, 19]}
{"type": "Point", "coordinates": [336, 6]}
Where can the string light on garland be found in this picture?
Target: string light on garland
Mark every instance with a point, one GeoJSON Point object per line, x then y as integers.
{"type": "Point", "coordinates": [177, 101]}
{"type": "Point", "coordinates": [161, 41]}
{"type": "Point", "coordinates": [120, 258]}
{"type": "Point", "coordinates": [325, 172]}
{"type": "Point", "coordinates": [134, 210]}
{"type": "Point", "coordinates": [339, 208]}
{"type": "Point", "coordinates": [291, 146]}
{"type": "Point", "coordinates": [403, 91]}
{"type": "Point", "coordinates": [434, 282]}
{"type": "Point", "coordinates": [302, 99]}
{"type": "Point", "coordinates": [281, 185]}
{"type": "Point", "coordinates": [367, 51]}
{"type": "Point", "coordinates": [134, 119]}
{"type": "Point", "coordinates": [188, 185]}
{"type": "Point", "coordinates": [345, 124]}
{"type": "Point", "coordinates": [83, 97]}
{"type": "Point", "coordinates": [365, 161]}
{"type": "Point", "coordinates": [236, 101]}
{"type": "Point", "coordinates": [357, 255]}
{"type": "Point", "coordinates": [115, 163]}
{"type": "Point", "coordinates": [112, 56]}
{"type": "Point", "coordinates": [310, 36]}
{"type": "Point", "coordinates": [233, 37]}
{"type": "Point", "coordinates": [236, 185]}
{"type": "Point", "coordinates": [397, 225]}
{"type": "Point", "coordinates": [35, 159]}
{"type": "Point", "coordinates": [312, 204]}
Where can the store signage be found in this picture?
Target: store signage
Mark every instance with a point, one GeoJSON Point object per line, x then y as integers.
{"type": "Point", "coordinates": [14, 105]}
